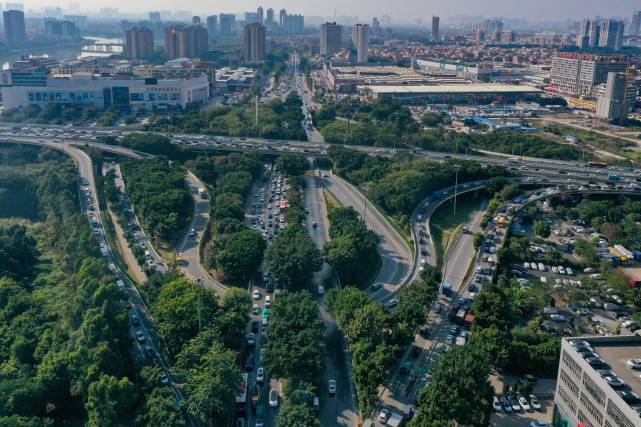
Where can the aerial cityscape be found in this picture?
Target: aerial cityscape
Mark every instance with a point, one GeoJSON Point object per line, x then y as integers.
{"type": "Point", "coordinates": [327, 214]}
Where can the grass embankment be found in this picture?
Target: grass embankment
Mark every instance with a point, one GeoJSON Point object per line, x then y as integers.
{"type": "Point", "coordinates": [445, 226]}
{"type": "Point", "coordinates": [331, 201]}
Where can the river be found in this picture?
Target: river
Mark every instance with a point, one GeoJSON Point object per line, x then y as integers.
{"type": "Point", "coordinates": [63, 53]}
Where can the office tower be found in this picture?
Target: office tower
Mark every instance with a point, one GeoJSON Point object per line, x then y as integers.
{"type": "Point", "coordinates": [282, 15]}
{"type": "Point", "coordinates": [251, 17]}
{"type": "Point", "coordinates": [211, 25]}
{"type": "Point", "coordinates": [254, 43]}
{"type": "Point", "coordinates": [195, 20]}
{"type": "Point", "coordinates": [611, 34]}
{"type": "Point", "coordinates": [496, 35]}
{"type": "Point", "coordinates": [330, 43]}
{"type": "Point", "coordinates": [293, 24]}
{"type": "Point", "coordinates": [595, 33]}
{"type": "Point", "coordinates": [435, 26]}
{"type": "Point", "coordinates": [270, 16]}
{"type": "Point", "coordinates": [227, 22]}
{"type": "Point", "coordinates": [580, 74]}
{"type": "Point", "coordinates": [154, 16]}
{"type": "Point", "coordinates": [635, 28]}
{"type": "Point", "coordinates": [583, 39]}
{"type": "Point", "coordinates": [140, 43]}
{"type": "Point", "coordinates": [615, 100]}
{"type": "Point", "coordinates": [181, 42]}
{"type": "Point", "coordinates": [360, 38]}
{"type": "Point", "coordinates": [376, 28]}
{"type": "Point", "coordinates": [259, 12]}
{"type": "Point", "coordinates": [14, 30]}
{"type": "Point", "coordinates": [480, 36]}
{"type": "Point", "coordinates": [511, 36]}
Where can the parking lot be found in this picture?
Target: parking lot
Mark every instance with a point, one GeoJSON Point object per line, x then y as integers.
{"type": "Point", "coordinates": [543, 389]}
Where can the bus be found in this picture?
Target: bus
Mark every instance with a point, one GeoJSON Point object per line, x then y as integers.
{"type": "Point", "coordinates": [501, 222]}
{"type": "Point", "coordinates": [598, 165]}
{"type": "Point", "coordinates": [241, 396]}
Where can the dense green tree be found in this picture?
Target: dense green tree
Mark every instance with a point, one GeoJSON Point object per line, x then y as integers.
{"type": "Point", "coordinates": [459, 391]}
{"type": "Point", "coordinates": [477, 240]}
{"type": "Point", "coordinates": [294, 334]}
{"type": "Point", "coordinates": [238, 255]}
{"type": "Point", "coordinates": [110, 401]}
{"type": "Point", "coordinates": [293, 257]}
{"type": "Point", "coordinates": [292, 164]}
{"type": "Point", "coordinates": [541, 228]}
{"type": "Point", "coordinates": [297, 415]}
{"type": "Point", "coordinates": [212, 384]}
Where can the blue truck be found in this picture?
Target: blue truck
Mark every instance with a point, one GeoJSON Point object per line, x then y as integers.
{"type": "Point", "coordinates": [614, 177]}
{"type": "Point", "coordinates": [636, 255]}
{"type": "Point", "coordinates": [447, 289]}
{"type": "Point", "coordinates": [437, 195]}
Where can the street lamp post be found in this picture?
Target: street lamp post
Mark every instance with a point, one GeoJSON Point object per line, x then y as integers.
{"type": "Point", "coordinates": [365, 189]}
{"type": "Point", "coordinates": [456, 188]}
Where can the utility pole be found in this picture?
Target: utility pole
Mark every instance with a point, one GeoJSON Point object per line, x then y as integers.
{"type": "Point", "coordinates": [456, 189]}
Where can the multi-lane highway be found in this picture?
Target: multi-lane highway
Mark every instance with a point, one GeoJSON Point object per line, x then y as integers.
{"type": "Point", "coordinates": [342, 408]}
{"type": "Point", "coordinates": [395, 253]}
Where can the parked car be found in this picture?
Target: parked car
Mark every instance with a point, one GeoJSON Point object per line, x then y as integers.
{"type": "Point", "coordinates": [515, 403]}
{"type": "Point", "coordinates": [273, 398]}
{"type": "Point", "coordinates": [524, 403]}
{"type": "Point", "coordinates": [634, 363]}
{"type": "Point", "coordinates": [507, 407]}
{"type": "Point", "coordinates": [383, 415]}
{"type": "Point", "coordinates": [497, 404]}
{"type": "Point", "coordinates": [534, 402]}
{"type": "Point", "coordinates": [392, 303]}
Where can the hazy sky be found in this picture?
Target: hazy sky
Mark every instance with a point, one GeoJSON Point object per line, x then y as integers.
{"type": "Point", "coordinates": [534, 10]}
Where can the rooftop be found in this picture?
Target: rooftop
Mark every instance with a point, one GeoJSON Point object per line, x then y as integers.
{"type": "Point", "coordinates": [616, 353]}
{"type": "Point", "coordinates": [453, 88]}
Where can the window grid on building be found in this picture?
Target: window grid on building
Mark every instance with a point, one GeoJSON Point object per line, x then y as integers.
{"type": "Point", "coordinates": [598, 416]}
{"type": "Point", "coordinates": [617, 416]}
{"type": "Point", "coordinates": [583, 419]}
{"type": "Point", "coordinates": [594, 390]}
{"type": "Point", "coordinates": [572, 365]}
{"type": "Point", "coordinates": [574, 389]}
{"type": "Point", "coordinates": [567, 399]}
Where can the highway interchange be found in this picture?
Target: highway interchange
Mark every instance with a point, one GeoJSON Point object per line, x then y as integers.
{"type": "Point", "coordinates": [399, 266]}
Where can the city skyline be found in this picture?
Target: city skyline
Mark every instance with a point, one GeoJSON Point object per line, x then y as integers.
{"type": "Point", "coordinates": [544, 10]}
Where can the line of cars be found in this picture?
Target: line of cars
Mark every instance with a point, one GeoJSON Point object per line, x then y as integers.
{"type": "Point", "coordinates": [516, 403]}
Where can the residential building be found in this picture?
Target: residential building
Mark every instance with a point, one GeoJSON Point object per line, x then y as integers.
{"type": "Point", "coordinates": [435, 27]}
{"type": "Point", "coordinates": [254, 43]}
{"type": "Point", "coordinates": [61, 30]}
{"type": "Point", "coordinates": [261, 17]}
{"type": "Point", "coordinates": [376, 28]}
{"type": "Point", "coordinates": [615, 98]}
{"type": "Point", "coordinates": [211, 25]}
{"type": "Point", "coordinates": [270, 16]}
{"type": "Point", "coordinates": [88, 90]}
{"type": "Point", "coordinates": [330, 43]}
{"type": "Point", "coordinates": [360, 38]}
{"type": "Point", "coordinates": [190, 42]}
{"type": "Point", "coordinates": [140, 43]}
{"type": "Point", "coordinates": [593, 391]}
{"type": "Point", "coordinates": [195, 20]}
{"type": "Point", "coordinates": [14, 30]}
{"type": "Point", "coordinates": [293, 24]}
{"type": "Point", "coordinates": [595, 34]}
{"type": "Point", "coordinates": [227, 22]}
{"type": "Point", "coordinates": [480, 36]}
{"type": "Point", "coordinates": [281, 16]}
{"type": "Point", "coordinates": [611, 34]}
{"type": "Point", "coordinates": [580, 74]}
{"type": "Point", "coordinates": [635, 28]}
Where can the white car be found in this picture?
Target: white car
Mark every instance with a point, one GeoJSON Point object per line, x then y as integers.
{"type": "Point", "coordinates": [539, 423]}
{"type": "Point", "coordinates": [256, 295]}
{"type": "Point", "coordinates": [268, 301]}
{"type": "Point", "coordinates": [332, 387]}
{"type": "Point", "coordinates": [392, 303]}
{"type": "Point", "coordinates": [383, 415]}
{"type": "Point", "coordinates": [524, 403]}
{"type": "Point", "coordinates": [634, 363]}
{"type": "Point", "coordinates": [163, 378]}
{"type": "Point", "coordinates": [497, 404]}
{"type": "Point", "coordinates": [555, 270]}
{"type": "Point", "coordinates": [260, 375]}
{"type": "Point", "coordinates": [448, 340]}
{"type": "Point", "coordinates": [273, 398]}
{"type": "Point", "coordinates": [534, 402]}
{"type": "Point", "coordinates": [192, 232]}
{"type": "Point", "coordinates": [140, 337]}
